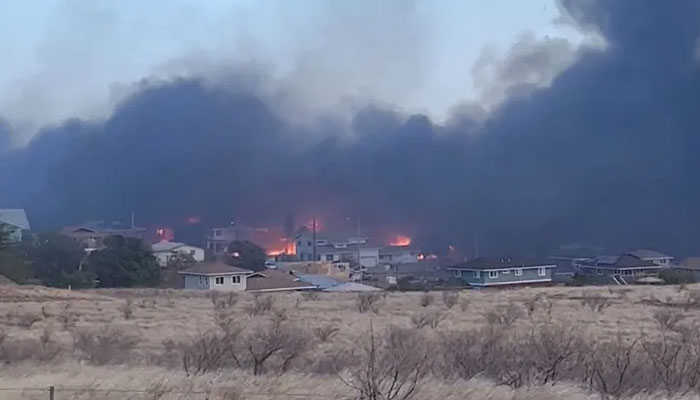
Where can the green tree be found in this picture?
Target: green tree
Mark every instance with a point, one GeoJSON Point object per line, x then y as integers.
{"type": "Point", "coordinates": [245, 254]}
{"type": "Point", "coordinates": [180, 261]}
{"type": "Point", "coordinates": [124, 262]}
{"type": "Point", "coordinates": [57, 260]}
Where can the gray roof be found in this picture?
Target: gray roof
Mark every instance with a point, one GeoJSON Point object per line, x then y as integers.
{"type": "Point", "coordinates": [102, 227]}
{"type": "Point", "coordinates": [274, 281]}
{"type": "Point", "coordinates": [623, 261]}
{"type": "Point", "coordinates": [15, 217]}
{"type": "Point", "coordinates": [167, 246]}
{"type": "Point", "coordinates": [352, 287]}
{"type": "Point", "coordinates": [644, 253]}
{"type": "Point", "coordinates": [320, 281]}
{"type": "Point", "coordinates": [493, 263]}
{"type": "Point", "coordinates": [214, 268]}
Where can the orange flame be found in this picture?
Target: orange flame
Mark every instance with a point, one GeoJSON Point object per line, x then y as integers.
{"type": "Point", "coordinates": [401, 240]}
{"type": "Point", "coordinates": [289, 248]}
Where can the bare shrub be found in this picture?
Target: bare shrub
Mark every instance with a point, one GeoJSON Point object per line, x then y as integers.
{"type": "Point", "coordinates": [310, 295]}
{"type": "Point", "coordinates": [23, 319]}
{"type": "Point", "coordinates": [450, 298]}
{"type": "Point", "coordinates": [205, 353]}
{"type": "Point", "coordinates": [432, 319]}
{"type": "Point", "coordinates": [127, 309]}
{"type": "Point", "coordinates": [387, 367]}
{"type": "Point", "coordinates": [668, 320]}
{"type": "Point", "coordinates": [467, 354]}
{"type": "Point", "coordinates": [108, 345]}
{"type": "Point", "coordinates": [613, 367]}
{"type": "Point", "coordinates": [504, 315]}
{"type": "Point", "coordinates": [426, 299]}
{"type": "Point", "coordinates": [464, 304]}
{"type": "Point", "coordinates": [45, 312]}
{"type": "Point", "coordinates": [224, 302]}
{"type": "Point", "coordinates": [531, 305]}
{"type": "Point", "coordinates": [367, 302]}
{"type": "Point", "coordinates": [325, 332]}
{"type": "Point", "coordinates": [261, 305]}
{"type": "Point", "coordinates": [148, 303]}
{"type": "Point", "coordinates": [66, 319]}
{"type": "Point", "coordinates": [597, 304]}
{"type": "Point", "coordinates": [277, 338]}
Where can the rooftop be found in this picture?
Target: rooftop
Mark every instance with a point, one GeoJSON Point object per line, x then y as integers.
{"type": "Point", "coordinates": [644, 254]}
{"type": "Point", "coordinates": [352, 287]}
{"type": "Point", "coordinates": [15, 217]}
{"type": "Point", "coordinates": [488, 263]}
{"type": "Point", "coordinates": [167, 246]}
{"type": "Point", "coordinates": [102, 227]}
{"type": "Point", "coordinates": [623, 261]}
{"type": "Point", "coordinates": [214, 268]}
{"type": "Point", "coordinates": [272, 280]}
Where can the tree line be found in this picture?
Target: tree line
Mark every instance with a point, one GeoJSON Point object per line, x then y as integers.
{"type": "Point", "coordinates": [56, 260]}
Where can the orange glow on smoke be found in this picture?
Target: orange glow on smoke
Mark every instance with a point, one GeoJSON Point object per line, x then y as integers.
{"type": "Point", "coordinates": [194, 220]}
{"type": "Point", "coordinates": [401, 240]}
{"type": "Point", "coordinates": [288, 247]}
{"type": "Point", "coordinates": [319, 224]}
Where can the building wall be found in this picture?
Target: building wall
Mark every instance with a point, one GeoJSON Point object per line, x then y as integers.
{"type": "Point", "coordinates": [199, 282]}
{"type": "Point", "coordinates": [506, 276]}
{"type": "Point", "coordinates": [163, 256]}
{"type": "Point", "coordinates": [399, 257]}
{"type": "Point", "coordinates": [14, 234]}
{"type": "Point", "coordinates": [305, 247]}
{"type": "Point", "coordinates": [369, 257]}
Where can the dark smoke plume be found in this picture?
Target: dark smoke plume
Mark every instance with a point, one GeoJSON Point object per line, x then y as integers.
{"type": "Point", "coordinates": [607, 154]}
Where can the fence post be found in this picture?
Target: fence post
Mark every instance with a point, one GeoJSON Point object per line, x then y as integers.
{"type": "Point", "coordinates": [51, 391]}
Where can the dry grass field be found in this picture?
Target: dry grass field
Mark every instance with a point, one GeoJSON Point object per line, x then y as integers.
{"type": "Point", "coordinates": [530, 343]}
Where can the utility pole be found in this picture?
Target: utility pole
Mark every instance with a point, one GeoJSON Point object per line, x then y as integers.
{"type": "Point", "coordinates": [313, 226]}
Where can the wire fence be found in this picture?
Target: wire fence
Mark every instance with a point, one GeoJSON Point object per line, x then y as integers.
{"type": "Point", "coordinates": [91, 393]}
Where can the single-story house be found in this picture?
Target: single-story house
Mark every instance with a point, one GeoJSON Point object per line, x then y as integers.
{"type": "Point", "coordinates": [92, 234]}
{"type": "Point", "coordinates": [217, 275]}
{"type": "Point", "coordinates": [493, 271]}
{"type": "Point", "coordinates": [12, 223]}
{"type": "Point", "coordinates": [164, 251]}
{"type": "Point", "coordinates": [655, 257]}
{"type": "Point", "coordinates": [620, 269]}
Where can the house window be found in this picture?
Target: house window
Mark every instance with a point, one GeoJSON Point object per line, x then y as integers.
{"type": "Point", "coordinates": [219, 280]}
{"type": "Point", "coordinates": [308, 244]}
{"type": "Point", "coordinates": [458, 273]}
{"type": "Point", "coordinates": [505, 271]}
{"type": "Point", "coordinates": [298, 242]}
{"type": "Point", "coordinates": [493, 274]}
{"type": "Point", "coordinates": [518, 272]}
{"type": "Point", "coordinates": [329, 257]}
{"type": "Point", "coordinates": [476, 274]}
{"type": "Point", "coordinates": [191, 252]}
{"type": "Point", "coordinates": [201, 280]}
{"type": "Point", "coordinates": [217, 233]}
{"type": "Point", "coordinates": [235, 279]}
{"type": "Point", "coordinates": [600, 272]}
{"type": "Point", "coordinates": [541, 271]}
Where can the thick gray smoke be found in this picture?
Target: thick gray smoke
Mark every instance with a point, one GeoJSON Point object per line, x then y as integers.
{"type": "Point", "coordinates": [605, 155]}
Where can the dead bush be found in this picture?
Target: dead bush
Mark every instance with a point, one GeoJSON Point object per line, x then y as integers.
{"type": "Point", "coordinates": [503, 315]}
{"type": "Point", "coordinates": [108, 345]}
{"type": "Point", "coordinates": [367, 302]}
{"type": "Point", "coordinates": [667, 320]}
{"type": "Point", "coordinates": [614, 367]}
{"type": "Point", "coordinates": [204, 353]}
{"type": "Point", "coordinates": [325, 332]}
{"type": "Point", "coordinates": [432, 319]}
{"type": "Point", "coordinates": [389, 366]}
{"type": "Point", "coordinates": [261, 305]}
{"type": "Point", "coordinates": [221, 302]}
{"type": "Point", "coordinates": [449, 298]}
{"type": "Point", "coordinates": [23, 319]}
{"type": "Point", "coordinates": [597, 304]}
{"type": "Point", "coordinates": [464, 304]}
{"type": "Point", "coordinates": [426, 299]}
{"type": "Point", "coordinates": [127, 309]}
{"type": "Point", "coordinates": [67, 319]}
{"type": "Point", "coordinates": [310, 295]}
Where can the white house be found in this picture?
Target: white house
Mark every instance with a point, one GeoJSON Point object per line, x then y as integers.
{"type": "Point", "coordinates": [655, 257]}
{"type": "Point", "coordinates": [165, 251]}
{"type": "Point", "coordinates": [216, 276]}
{"type": "Point", "coordinates": [13, 222]}
{"type": "Point", "coordinates": [398, 255]}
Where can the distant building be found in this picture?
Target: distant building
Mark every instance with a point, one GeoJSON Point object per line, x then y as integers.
{"type": "Point", "coordinates": [13, 222]}
{"type": "Point", "coordinates": [165, 251]}
{"type": "Point", "coordinates": [655, 257]}
{"type": "Point", "coordinates": [219, 238]}
{"type": "Point", "coordinates": [91, 234]}
{"type": "Point", "coordinates": [691, 266]}
{"type": "Point", "coordinates": [398, 255]}
{"type": "Point", "coordinates": [620, 269]}
{"type": "Point", "coordinates": [504, 271]}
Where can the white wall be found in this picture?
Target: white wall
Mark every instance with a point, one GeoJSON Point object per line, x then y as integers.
{"type": "Point", "coordinates": [201, 282]}
{"type": "Point", "coordinates": [196, 252]}
{"type": "Point", "coordinates": [369, 257]}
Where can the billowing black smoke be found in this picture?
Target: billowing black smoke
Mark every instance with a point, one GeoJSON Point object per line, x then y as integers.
{"type": "Point", "coordinates": [606, 155]}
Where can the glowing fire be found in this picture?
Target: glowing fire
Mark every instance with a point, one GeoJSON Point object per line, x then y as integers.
{"type": "Point", "coordinates": [401, 240]}
{"type": "Point", "coordinates": [288, 247]}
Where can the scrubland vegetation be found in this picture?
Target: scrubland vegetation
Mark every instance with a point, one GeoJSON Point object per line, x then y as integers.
{"type": "Point", "coordinates": [544, 343]}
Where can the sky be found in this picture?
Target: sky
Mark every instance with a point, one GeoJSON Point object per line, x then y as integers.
{"type": "Point", "coordinates": [76, 59]}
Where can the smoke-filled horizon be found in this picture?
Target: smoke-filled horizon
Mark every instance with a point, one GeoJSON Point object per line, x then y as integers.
{"type": "Point", "coordinates": [604, 155]}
